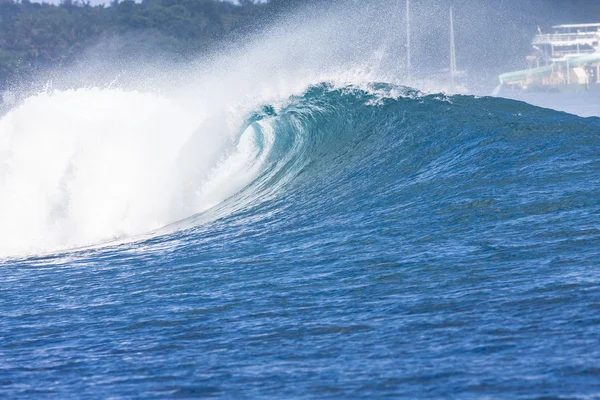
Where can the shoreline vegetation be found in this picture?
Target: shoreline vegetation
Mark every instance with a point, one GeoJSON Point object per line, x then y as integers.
{"type": "Point", "coordinates": [38, 36]}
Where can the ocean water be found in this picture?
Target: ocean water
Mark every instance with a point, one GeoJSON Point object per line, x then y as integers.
{"type": "Point", "coordinates": [346, 241]}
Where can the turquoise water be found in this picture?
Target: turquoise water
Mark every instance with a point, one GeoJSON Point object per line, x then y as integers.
{"type": "Point", "coordinates": [388, 246]}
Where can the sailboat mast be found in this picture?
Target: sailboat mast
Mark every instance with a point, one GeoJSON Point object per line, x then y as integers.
{"type": "Point", "coordinates": [452, 45]}
{"type": "Point", "coordinates": [408, 60]}
{"type": "Point", "coordinates": [452, 48]}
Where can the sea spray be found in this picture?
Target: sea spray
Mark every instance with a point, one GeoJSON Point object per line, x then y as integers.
{"type": "Point", "coordinates": [84, 166]}
{"type": "Point", "coordinates": [151, 147]}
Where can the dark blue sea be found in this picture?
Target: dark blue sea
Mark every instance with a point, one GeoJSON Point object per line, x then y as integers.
{"type": "Point", "coordinates": [388, 246]}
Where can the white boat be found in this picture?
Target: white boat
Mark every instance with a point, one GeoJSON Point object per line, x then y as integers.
{"type": "Point", "coordinates": [563, 71]}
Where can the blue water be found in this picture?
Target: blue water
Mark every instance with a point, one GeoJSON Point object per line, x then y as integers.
{"type": "Point", "coordinates": [412, 246]}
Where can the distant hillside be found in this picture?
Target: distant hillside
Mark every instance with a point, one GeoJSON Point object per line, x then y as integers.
{"type": "Point", "coordinates": [34, 36]}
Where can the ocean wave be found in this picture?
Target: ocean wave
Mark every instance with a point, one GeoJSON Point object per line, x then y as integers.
{"type": "Point", "coordinates": [92, 166]}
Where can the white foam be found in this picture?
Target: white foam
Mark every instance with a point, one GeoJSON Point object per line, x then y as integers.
{"type": "Point", "coordinates": [85, 166]}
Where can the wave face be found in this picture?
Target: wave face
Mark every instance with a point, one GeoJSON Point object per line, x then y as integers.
{"type": "Point", "coordinates": [347, 241]}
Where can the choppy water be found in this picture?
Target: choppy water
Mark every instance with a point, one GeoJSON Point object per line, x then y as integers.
{"type": "Point", "coordinates": [347, 242]}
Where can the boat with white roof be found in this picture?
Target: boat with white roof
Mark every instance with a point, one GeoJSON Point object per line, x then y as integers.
{"type": "Point", "coordinates": [566, 61]}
